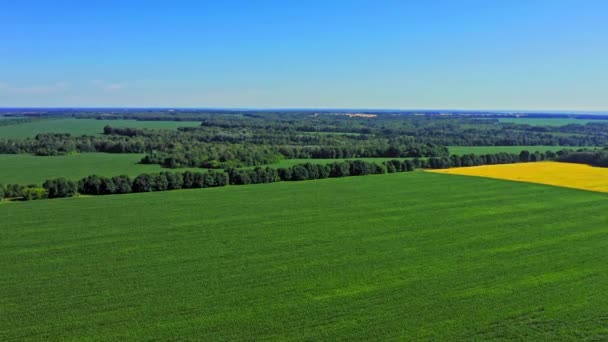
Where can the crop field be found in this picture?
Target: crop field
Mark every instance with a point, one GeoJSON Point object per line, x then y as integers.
{"type": "Point", "coordinates": [578, 176]}
{"type": "Point", "coordinates": [29, 169]}
{"type": "Point", "coordinates": [548, 121]}
{"type": "Point", "coordinates": [82, 126]}
{"type": "Point", "coordinates": [460, 150]}
{"type": "Point", "coordinates": [403, 256]}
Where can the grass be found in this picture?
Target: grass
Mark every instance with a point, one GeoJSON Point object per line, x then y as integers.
{"type": "Point", "coordinates": [410, 256]}
{"type": "Point", "coordinates": [28, 169]}
{"type": "Point", "coordinates": [548, 121]}
{"type": "Point", "coordinates": [460, 150]}
{"type": "Point", "coordinates": [570, 175]}
{"type": "Point", "coordinates": [82, 126]}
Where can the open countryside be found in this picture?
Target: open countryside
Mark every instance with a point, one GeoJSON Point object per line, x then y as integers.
{"type": "Point", "coordinates": [304, 171]}
{"type": "Point", "coordinates": [404, 256]}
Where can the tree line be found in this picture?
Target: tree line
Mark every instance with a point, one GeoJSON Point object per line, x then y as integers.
{"type": "Point", "coordinates": [244, 139]}
{"type": "Point", "coordinates": [164, 181]}
{"type": "Point", "coordinates": [100, 185]}
{"type": "Point", "coordinates": [593, 158]}
{"type": "Point", "coordinates": [310, 171]}
{"type": "Point", "coordinates": [486, 159]}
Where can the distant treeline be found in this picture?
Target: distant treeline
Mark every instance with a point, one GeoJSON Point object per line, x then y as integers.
{"type": "Point", "coordinates": [163, 181]}
{"type": "Point", "coordinates": [237, 139]}
{"type": "Point", "coordinates": [593, 158]}
{"type": "Point", "coordinates": [486, 159]}
{"type": "Point", "coordinates": [309, 171]}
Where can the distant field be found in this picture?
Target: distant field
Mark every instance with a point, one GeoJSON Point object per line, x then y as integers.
{"type": "Point", "coordinates": [547, 122]}
{"type": "Point", "coordinates": [28, 169]}
{"type": "Point", "coordinates": [569, 175]}
{"type": "Point", "coordinates": [460, 150]}
{"type": "Point", "coordinates": [412, 256]}
{"type": "Point", "coordinates": [83, 126]}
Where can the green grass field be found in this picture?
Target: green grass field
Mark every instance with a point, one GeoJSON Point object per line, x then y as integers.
{"type": "Point", "coordinates": [460, 150]}
{"type": "Point", "coordinates": [83, 126]}
{"type": "Point", "coordinates": [547, 122]}
{"type": "Point", "coordinates": [28, 169]}
{"type": "Point", "coordinates": [410, 256]}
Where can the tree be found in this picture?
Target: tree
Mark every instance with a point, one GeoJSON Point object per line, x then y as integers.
{"type": "Point", "coordinates": [408, 165]}
{"type": "Point", "coordinates": [107, 186]}
{"type": "Point", "coordinates": [299, 173]}
{"type": "Point", "coordinates": [188, 180]}
{"type": "Point", "coordinates": [122, 184]}
{"type": "Point", "coordinates": [91, 185]}
{"type": "Point", "coordinates": [160, 182]}
{"type": "Point", "coordinates": [32, 192]}
{"type": "Point", "coordinates": [285, 173]}
{"type": "Point", "coordinates": [60, 187]}
{"type": "Point", "coordinates": [175, 180]}
{"type": "Point", "coordinates": [143, 183]}
{"type": "Point", "coordinates": [340, 169]}
{"type": "Point", "coordinates": [1, 192]}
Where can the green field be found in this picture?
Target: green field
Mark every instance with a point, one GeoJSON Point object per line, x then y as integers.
{"type": "Point", "coordinates": [547, 122]}
{"type": "Point", "coordinates": [460, 150]}
{"type": "Point", "coordinates": [409, 256]}
{"type": "Point", "coordinates": [83, 126]}
{"type": "Point", "coordinates": [28, 169]}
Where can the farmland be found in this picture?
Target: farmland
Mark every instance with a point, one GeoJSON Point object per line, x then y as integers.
{"type": "Point", "coordinates": [82, 126]}
{"type": "Point", "coordinates": [570, 175]}
{"type": "Point", "coordinates": [402, 256]}
{"type": "Point", "coordinates": [29, 169]}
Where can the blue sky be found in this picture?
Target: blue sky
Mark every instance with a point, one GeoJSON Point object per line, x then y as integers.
{"type": "Point", "coordinates": [306, 54]}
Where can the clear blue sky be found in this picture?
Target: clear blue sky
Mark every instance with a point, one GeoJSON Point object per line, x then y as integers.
{"type": "Point", "coordinates": [307, 54]}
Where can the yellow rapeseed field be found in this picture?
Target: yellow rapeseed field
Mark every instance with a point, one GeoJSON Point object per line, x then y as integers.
{"type": "Point", "coordinates": [569, 175]}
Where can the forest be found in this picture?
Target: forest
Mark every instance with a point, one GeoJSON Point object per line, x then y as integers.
{"type": "Point", "coordinates": [237, 146]}
{"type": "Point", "coordinates": [242, 139]}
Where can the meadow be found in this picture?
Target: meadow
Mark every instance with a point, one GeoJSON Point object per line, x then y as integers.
{"type": "Point", "coordinates": [460, 150]}
{"type": "Point", "coordinates": [28, 169]}
{"type": "Point", "coordinates": [578, 176]}
{"type": "Point", "coordinates": [402, 256]}
{"type": "Point", "coordinates": [548, 121]}
{"type": "Point", "coordinates": [82, 126]}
